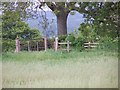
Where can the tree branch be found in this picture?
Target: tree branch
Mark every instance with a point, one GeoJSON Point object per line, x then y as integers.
{"type": "Point", "coordinates": [51, 5]}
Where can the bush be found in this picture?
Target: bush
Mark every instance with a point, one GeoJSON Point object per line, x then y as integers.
{"type": "Point", "coordinates": [70, 37]}
{"type": "Point", "coordinates": [77, 40]}
{"type": "Point", "coordinates": [8, 45]}
{"type": "Point", "coordinates": [62, 38]}
{"type": "Point", "coordinates": [108, 43]}
{"type": "Point", "coordinates": [89, 32]}
{"type": "Point", "coordinates": [78, 44]}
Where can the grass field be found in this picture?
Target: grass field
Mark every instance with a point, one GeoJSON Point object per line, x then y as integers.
{"type": "Point", "coordinates": [93, 69]}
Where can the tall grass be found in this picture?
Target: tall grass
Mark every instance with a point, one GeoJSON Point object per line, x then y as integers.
{"type": "Point", "coordinates": [52, 55]}
{"type": "Point", "coordinates": [87, 69]}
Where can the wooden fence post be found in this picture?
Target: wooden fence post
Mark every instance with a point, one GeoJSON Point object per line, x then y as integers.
{"type": "Point", "coordinates": [37, 47]}
{"type": "Point", "coordinates": [45, 43]}
{"type": "Point", "coordinates": [89, 45]}
{"type": "Point", "coordinates": [28, 43]}
{"type": "Point", "coordinates": [68, 46]}
{"type": "Point", "coordinates": [56, 43]}
{"type": "Point", "coordinates": [17, 45]}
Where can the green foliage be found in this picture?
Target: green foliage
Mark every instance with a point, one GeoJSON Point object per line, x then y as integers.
{"type": "Point", "coordinates": [70, 37]}
{"type": "Point", "coordinates": [78, 43]}
{"type": "Point", "coordinates": [28, 69]}
{"type": "Point", "coordinates": [31, 34]}
{"type": "Point", "coordinates": [107, 43]}
{"type": "Point", "coordinates": [107, 24]}
{"type": "Point", "coordinates": [89, 32]}
{"type": "Point", "coordinates": [75, 38]}
{"type": "Point", "coordinates": [20, 7]}
{"type": "Point", "coordinates": [103, 25]}
{"type": "Point", "coordinates": [8, 45]}
{"type": "Point", "coordinates": [50, 55]}
{"type": "Point", "coordinates": [62, 38]}
{"type": "Point", "coordinates": [12, 26]}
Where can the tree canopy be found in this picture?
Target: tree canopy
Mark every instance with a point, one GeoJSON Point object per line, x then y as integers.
{"type": "Point", "coordinates": [12, 26]}
{"type": "Point", "coordinates": [104, 15]}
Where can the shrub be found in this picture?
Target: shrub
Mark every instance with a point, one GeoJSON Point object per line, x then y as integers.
{"type": "Point", "coordinates": [79, 43]}
{"type": "Point", "coordinates": [77, 40]}
{"type": "Point", "coordinates": [89, 32]}
{"type": "Point", "coordinates": [8, 45]}
{"type": "Point", "coordinates": [70, 37]}
{"type": "Point", "coordinates": [108, 43]}
{"type": "Point", "coordinates": [62, 38]}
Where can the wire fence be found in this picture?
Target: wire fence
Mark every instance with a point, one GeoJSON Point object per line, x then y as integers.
{"type": "Point", "coordinates": [36, 45]}
{"type": "Point", "coordinates": [27, 45]}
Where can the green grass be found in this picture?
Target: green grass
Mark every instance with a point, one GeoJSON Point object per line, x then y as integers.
{"type": "Point", "coordinates": [51, 55]}
{"type": "Point", "coordinates": [87, 69]}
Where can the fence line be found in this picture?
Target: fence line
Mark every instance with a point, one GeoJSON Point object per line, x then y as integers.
{"type": "Point", "coordinates": [44, 44]}
{"type": "Point", "coordinates": [34, 45]}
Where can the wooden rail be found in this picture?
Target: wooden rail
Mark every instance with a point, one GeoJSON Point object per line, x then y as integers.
{"type": "Point", "coordinates": [90, 45]}
{"type": "Point", "coordinates": [65, 43]}
{"type": "Point", "coordinates": [45, 43]}
{"type": "Point", "coordinates": [33, 45]}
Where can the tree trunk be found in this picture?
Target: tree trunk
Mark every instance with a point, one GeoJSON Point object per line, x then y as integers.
{"type": "Point", "coordinates": [62, 23]}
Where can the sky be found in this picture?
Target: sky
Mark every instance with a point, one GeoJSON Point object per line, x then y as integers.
{"type": "Point", "coordinates": [73, 22]}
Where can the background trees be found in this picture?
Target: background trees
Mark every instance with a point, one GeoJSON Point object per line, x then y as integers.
{"type": "Point", "coordinates": [94, 12]}
{"type": "Point", "coordinates": [105, 17]}
{"type": "Point", "coordinates": [61, 10]}
{"type": "Point", "coordinates": [12, 26]}
{"type": "Point", "coordinates": [101, 19]}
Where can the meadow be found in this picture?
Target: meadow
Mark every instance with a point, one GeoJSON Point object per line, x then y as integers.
{"type": "Point", "coordinates": [86, 69]}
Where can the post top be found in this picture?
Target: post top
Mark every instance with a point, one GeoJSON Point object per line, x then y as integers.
{"type": "Point", "coordinates": [56, 37]}
{"type": "Point", "coordinates": [17, 37]}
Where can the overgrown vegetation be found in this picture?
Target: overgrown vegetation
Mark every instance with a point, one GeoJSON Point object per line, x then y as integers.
{"type": "Point", "coordinates": [93, 69]}
{"type": "Point", "coordinates": [13, 26]}
{"type": "Point", "coordinates": [80, 68]}
{"type": "Point", "coordinates": [88, 33]}
{"type": "Point", "coordinates": [51, 55]}
{"type": "Point", "coordinates": [99, 26]}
